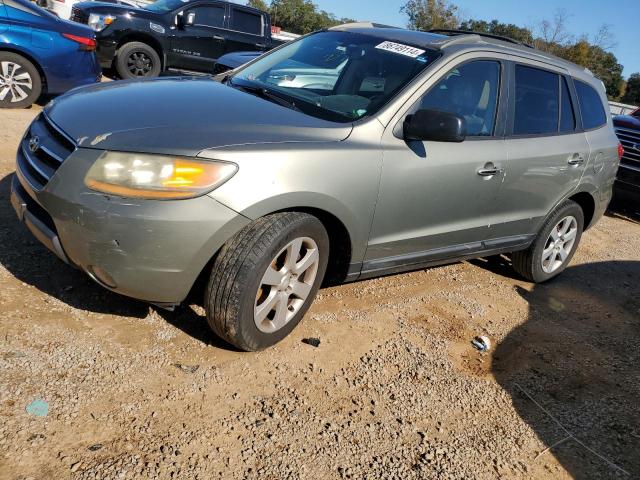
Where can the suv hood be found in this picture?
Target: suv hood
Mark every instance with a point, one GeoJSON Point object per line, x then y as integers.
{"type": "Point", "coordinates": [114, 8]}
{"type": "Point", "coordinates": [181, 116]}
{"type": "Point", "coordinates": [627, 121]}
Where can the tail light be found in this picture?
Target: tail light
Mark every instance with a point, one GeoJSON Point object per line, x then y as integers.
{"type": "Point", "coordinates": [87, 44]}
{"type": "Point", "coordinates": [620, 151]}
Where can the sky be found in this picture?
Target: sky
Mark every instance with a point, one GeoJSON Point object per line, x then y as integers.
{"type": "Point", "coordinates": [586, 16]}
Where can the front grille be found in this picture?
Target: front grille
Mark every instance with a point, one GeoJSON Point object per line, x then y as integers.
{"type": "Point", "coordinates": [630, 140]}
{"type": "Point", "coordinates": [79, 16]}
{"type": "Point", "coordinates": [53, 147]}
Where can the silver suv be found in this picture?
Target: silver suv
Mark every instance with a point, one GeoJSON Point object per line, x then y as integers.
{"type": "Point", "coordinates": [415, 149]}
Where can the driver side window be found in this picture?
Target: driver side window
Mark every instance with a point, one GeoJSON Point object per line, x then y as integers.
{"type": "Point", "coordinates": [207, 16]}
{"type": "Point", "coordinates": [471, 91]}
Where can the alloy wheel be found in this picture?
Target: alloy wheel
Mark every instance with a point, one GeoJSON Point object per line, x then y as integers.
{"type": "Point", "coordinates": [139, 64]}
{"type": "Point", "coordinates": [559, 244]}
{"type": "Point", "coordinates": [15, 82]}
{"type": "Point", "coordinates": [286, 284]}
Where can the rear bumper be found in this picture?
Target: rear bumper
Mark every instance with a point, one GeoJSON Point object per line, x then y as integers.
{"type": "Point", "coordinates": [145, 249]}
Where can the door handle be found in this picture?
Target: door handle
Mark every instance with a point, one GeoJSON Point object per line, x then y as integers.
{"type": "Point", "coordinates": [261, 45]}
{"type": "Point", "coordinates": [576, 159]}
{"type": "Point", "coordinates": [489, 170]}
{"type": "Point", "coordinates": [219, 38]}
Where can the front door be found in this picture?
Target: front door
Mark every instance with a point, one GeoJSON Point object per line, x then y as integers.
{"type": "Point", "coordinates": [548, 150]}
{"type": "Point", "coordinates": [200, 39]}
{"type": "Point", "coordinates": [436, 198]}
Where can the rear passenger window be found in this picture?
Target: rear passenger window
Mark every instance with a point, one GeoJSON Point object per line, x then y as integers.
{"type": "Point", "coordinates": [536, 101]}
{"type": "Point", "coordinates": [470, 91]}
{"type": "Point", "coordinates": [567, 117]}
{"type": "Point", "coordinates": [247, 22]}
{"type": "Point", "coordinates": [591, 109]}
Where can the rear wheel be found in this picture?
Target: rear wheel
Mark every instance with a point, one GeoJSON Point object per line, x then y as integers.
{"type": "Point", "coordinates": [265, 278]}
{"type": "Point", "coordinates": [20, 82]}
{"type": "Point", "coordinates": [553, 248]}
{"type": "Point", "coordinates": [136, 60]}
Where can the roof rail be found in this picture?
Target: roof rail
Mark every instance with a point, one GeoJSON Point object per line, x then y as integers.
{"type": "Point", "coordinates": [445, 31]}
{"type": "Point", "coordinates": [360, 25]}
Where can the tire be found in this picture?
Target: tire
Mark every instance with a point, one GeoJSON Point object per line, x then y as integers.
{"type": "Point", "coordinates": [530, 263]}
{"type": "Point", "coordinates": [20, 81]}
{"type": "Point", "coordinates": [237, 300]}
{"type": "Point", "coordinates": [137, 60]}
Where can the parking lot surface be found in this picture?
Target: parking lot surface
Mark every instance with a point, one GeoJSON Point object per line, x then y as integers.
{"type": "Point", "coordinates": [94, 385]}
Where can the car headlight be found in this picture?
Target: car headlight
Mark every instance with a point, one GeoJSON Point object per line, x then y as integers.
{"type": "Point", "coordinates": [156, 176]}
{"type": "Point", "coordinates": [99, 22]}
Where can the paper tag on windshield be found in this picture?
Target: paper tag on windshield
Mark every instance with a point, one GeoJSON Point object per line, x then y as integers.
{"type": "Point", "coordinates": [406, 50]}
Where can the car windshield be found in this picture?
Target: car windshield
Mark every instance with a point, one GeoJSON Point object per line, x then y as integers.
{"type": "Point", "coordinates": [164, 6]}
{"type": "Point", "coordinates": [338, 76]}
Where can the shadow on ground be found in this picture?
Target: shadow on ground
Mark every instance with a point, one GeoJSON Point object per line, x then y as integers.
{"type": "Point", "coordinates": [577, 357]}
{"type": "Point", "coordinates": [32, 263]}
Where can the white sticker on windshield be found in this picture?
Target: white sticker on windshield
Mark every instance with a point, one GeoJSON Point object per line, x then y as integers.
{"type": "Point", "coordinates": [401, 49]}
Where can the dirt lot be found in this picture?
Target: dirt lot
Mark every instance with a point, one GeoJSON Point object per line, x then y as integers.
{"type": "Point", "coordinates": [394, 390]}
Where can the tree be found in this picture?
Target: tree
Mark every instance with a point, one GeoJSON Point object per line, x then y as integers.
{"type": "Point", "coordinates": [259, 4]}
{"type": "Point", "coordinates": [632, 93]}
{"type": "Point", "coordinates": [429, 14]}
{"type": "Point", "coordinates": [494, 27]}
{"type": "Point", "coordinates": [301, 16]}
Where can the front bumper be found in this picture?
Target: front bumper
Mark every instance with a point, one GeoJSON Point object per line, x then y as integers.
{"type": "Point", "coordinates": [145, 249]}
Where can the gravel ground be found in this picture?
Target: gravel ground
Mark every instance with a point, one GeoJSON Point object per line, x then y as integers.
{"type": "Point", "coordinates": [394, 390]}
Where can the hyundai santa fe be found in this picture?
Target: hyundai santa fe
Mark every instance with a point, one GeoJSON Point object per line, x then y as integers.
{"type": "Point", "coordinates": [417, 149]}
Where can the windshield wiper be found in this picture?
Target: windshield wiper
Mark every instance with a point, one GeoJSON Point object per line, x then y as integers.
{"type": "Point", "coordinates": [267, 95]}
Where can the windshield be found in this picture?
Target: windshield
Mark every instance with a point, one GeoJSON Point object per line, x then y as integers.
{"type": "Point", "coordinates": [338, 76]}
{"type": "Point", "coordinates": [164, 6]}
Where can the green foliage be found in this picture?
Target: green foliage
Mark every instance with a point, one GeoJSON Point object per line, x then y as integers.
{"type": "Point", "coordinates": [301, 16]}
{"type": "Point", "coordinates": [632, 93]}
{"type": "Point", "coordinates": [429, 14]}
{"type": "Point", "coordinates": [259, 4]}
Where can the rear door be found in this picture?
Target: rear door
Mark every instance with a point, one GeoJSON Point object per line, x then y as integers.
{"type": "Point", "coordinates": [548, 149]}
{"type": "Point", "coordinates": [201, 39]}
{"type": "Point", "coordinates": [248, 30]}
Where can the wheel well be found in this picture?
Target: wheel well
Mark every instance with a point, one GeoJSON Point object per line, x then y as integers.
{"type": "Point", "coordinates": [33, 62]}
{"type": "Point", "coordinates": [339, 254]}
{"type": "Point", "coordinates": [149, 40]}
{"type": "Point", "coordinates": [339, 245]}
{"type": "Point", "coordinates": [588, 205]}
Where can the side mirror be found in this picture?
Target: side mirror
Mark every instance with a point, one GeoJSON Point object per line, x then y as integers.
{"type": "Point", "coordinates": [434, 125]}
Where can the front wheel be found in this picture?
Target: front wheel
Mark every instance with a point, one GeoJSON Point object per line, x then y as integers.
{"type": "Point", "coordinates": [265, 278]}
{"type": "Point", "coordinates": [554, 246]}
{"type": "Point", "coordinates": [136, 60]}
{"type": "Point", "coordinates": [20, 82]}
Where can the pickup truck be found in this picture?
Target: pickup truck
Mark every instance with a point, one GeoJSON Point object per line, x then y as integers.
{"type": "Point", "coordinates": [627, 129]}
{"type": "Point", "coordinates": [186, 35]}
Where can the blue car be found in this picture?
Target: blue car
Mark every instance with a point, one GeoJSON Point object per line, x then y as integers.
{"type": "Point", "coordinates": [40, 53]}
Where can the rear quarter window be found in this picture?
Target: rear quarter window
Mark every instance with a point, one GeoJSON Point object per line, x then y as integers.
{"type": "Point", "coordinates": [591, 108]}
{"type": "Point", "coordinates": [247, 22]}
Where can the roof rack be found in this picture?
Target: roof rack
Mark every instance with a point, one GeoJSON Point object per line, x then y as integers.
{"type": "Point", "coordinates": [445, 31]}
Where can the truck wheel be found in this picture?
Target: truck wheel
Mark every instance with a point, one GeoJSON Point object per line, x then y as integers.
{"type": "Point", "coordinates": [264, 279]}
{"type": "Point", "coordinates": [137, 59]}
{"type": "Point", "coordinates": [554, 246]}
{"type": "Point", "coordinates": [20, 82]}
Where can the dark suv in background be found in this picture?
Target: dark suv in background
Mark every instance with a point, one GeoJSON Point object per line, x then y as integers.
{"type": "Point", "coordinates": [172, 34]}
{"type": "Point", "coordinates": [628, 130]}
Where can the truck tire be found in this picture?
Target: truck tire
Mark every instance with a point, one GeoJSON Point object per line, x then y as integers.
{"type": "Point", "coordinates": [20, 82]}
{"type": "Point", "coordinates": [265, 278]}
{"type": "Point", "coordinates": [554, 246]}
{"type": "Point", "coordinates": [137, 60]}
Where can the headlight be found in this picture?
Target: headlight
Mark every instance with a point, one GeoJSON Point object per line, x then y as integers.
{"type": "Point", "coordinates": [156, 176]}
{"type": "Point", "coordinates": [99, 22]}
